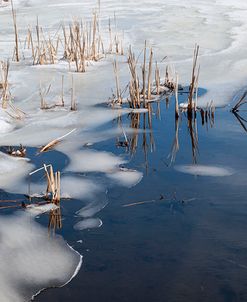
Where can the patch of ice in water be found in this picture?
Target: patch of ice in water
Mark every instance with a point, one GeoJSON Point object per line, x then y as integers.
{"type": "Point", "coordinates": [37, 261]}
{"type": "Point", "coordinates": [94, 161]}
{"type": "Point", "coordinates": [40, 209]}
{"type": "Point", "coordinates": [78, 187]}
{"type": "Point", "coordinates": [90, 223]}
{"type": "Point", "coordinates": [203, 170]}
{"type": "Point", "coordinates": [93, 207]}
{"type": "Point", "coordinates": [126, 177]}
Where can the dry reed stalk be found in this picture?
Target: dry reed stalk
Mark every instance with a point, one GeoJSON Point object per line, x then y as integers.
{"type": "Point", "coordinates": [176, 99]}
{"type": "Point", "coordinates": [5, 96]}
{"type": "Point", "coordinates": [110, 36]}
{"type": "Point", "coordinates": [150, 74]}
{"type": "Point", "coordinates": [43, 93]}
{"type": "Point", "coordinates": [94, 29]}
{"type": "Point", "coordinates": [73, 99]}
{"type": "Point", "coordinates": [118, 90]}
{"type": "Point", "coordinates": [196, 89]}
{"type": "Point", "coordinates": [144, 74]}
{"type": "Point", "coordinates": [16, 32]}
{"type": "Point", "coordinates": [62, 91]}
{"type": "Point", "coordinates": [54, 142]}
{"type": "Point", "coordinates": [193, 82]}
{"type": "Point", "coordinates": [134, 82]}
{"type": "Point", "coordinates": [157, 79]}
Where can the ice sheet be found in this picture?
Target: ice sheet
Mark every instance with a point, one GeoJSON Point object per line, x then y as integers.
{"type": "Point", "coordinates": [37, 261]}
{"type": "Point", "coordinates": [203, 170]}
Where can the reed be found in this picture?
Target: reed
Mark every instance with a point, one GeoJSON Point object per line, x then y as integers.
{"type": "Point", "coordinates": [73, 99]}
{"type": "Point", "coordinates": [144, 73]}
{"type": "Point", "coordinates": [176, 99]}
{"type": "Point", "coordinates": [150, 75]}
{"type": "Point", "coordinates": [56, 141]}
{"type": "Point", "coordinates": [118, 90]}
{"type": "Point", "coordinates": [194, 79]}
{"type": "Point", "coordinates": [5, 95]}
{"type": "Point", "coordinates": [16, 32]}
{"type": "Point", "coordinates": [157, 78]}
{"type": "Point", "coordinates": [134, 87]}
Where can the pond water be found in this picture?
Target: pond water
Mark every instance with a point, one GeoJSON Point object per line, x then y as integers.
{"type": "Point", "coordinates": [160, 218]}
{"type": "Point", "coordinates": [178, 235]}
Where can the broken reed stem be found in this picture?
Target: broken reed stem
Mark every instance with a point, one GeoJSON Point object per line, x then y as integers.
{"type": "Point", "coordinates": [73, 100]}
{"type": "Point", "coordinates": [144, 73]}
{"type": "Point", "coordinates": [16, 32]}
{"type": "Point", "coordinates": [157, 79]}
{"type": "Point", "coordinates": [193, 82]}
{"type": "Point", "coordinates": [116, 73]}
{"type": "Point", "coordinates": [134, 88]}
{"type": "Point", "coordinates": [55, 141]}
{"type": "Point", "coordinates": [150, 74]}
{"type": "Point", "coordinates": [5, 98]}
{"type": "Point", "coordinates": [176, 99]}
{"type": "Point", "coordinates": [62, 91]}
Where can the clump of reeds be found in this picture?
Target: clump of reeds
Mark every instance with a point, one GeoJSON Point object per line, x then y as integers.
{"type": "Point", "coordinates": [52, 195]}
{"type": "Point", "coordinates": [44, 48]}
{"type": "Point", "coordinates": [53, 190]}
{"type": "Point", "coordinates": [134, 87]}
{"type": "Point", "coordinates": [44, 93]}
{"type": "Point", "coordinates": [115, 42]}
{"type": "Point", "coordinates": [17, 152]}
{"type": "Point", "coordinates": [140, 94]}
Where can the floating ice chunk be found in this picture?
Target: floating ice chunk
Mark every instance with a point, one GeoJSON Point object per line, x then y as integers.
{"type": "Point", "coordinates": [90, 223]}
{"type": "Point", "coordinates": [78, 187]}
{"type": "Point", "coordinates": [94, 161]}
{"type": "Point", "coordinates": [126, 177]}
{"type": "Point", "coordinates": [37, 261]}
{"type": "Point", "coordinates": [40, 209]}
{"type": "Point", "coordinates": [203, 170]}
{"type": "Point", "coordinates": [139, 110]}
{"type": "Point", "coordinates": [93, 207]}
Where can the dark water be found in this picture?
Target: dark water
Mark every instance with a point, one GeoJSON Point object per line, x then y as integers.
{"type": "Point", "coordinates": [187, 241]}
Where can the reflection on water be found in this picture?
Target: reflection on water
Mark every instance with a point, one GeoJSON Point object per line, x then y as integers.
{"type": "Point", "coordinates": [242, 121]}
